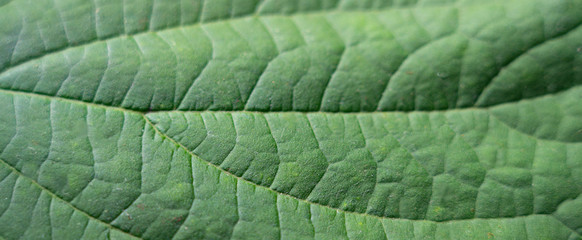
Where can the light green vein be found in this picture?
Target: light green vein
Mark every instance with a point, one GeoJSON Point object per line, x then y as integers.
{"type": "Point", "coordinates": [35, 183]}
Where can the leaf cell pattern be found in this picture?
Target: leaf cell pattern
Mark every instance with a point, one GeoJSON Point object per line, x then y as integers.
{"type": "Point", "coordinates": [329, 119]}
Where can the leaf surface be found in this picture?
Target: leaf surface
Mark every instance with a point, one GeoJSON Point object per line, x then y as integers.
{"type": "Point", "coordinates": [291, 119]}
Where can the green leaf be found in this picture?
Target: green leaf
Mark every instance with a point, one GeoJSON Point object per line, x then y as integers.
{"type": "Point", "coordinates": [272, 119]}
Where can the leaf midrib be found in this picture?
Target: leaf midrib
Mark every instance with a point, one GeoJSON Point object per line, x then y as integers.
{"type": "Point", "coordinates": [158, 131]}
{"type": "Point", "coordinates": [148, 122]}
{"type": "Point", "coordinates": [145, 113]}
{"type": "Point", "coordinates": [474, 107]}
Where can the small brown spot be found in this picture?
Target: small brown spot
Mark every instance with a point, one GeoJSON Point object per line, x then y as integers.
{"type": "Point", "coordinates": [490, 235]}
{"type": "Point", "coordinates": [141, 206]}
{"type": "Point", "coordinates": [579, 49]}
{"type": "Point", "coordinates": [409, 72]}
{"type": "Point", "coordinates": [143, 21]}
{"type": "Point", "coordinates": [177, 219]}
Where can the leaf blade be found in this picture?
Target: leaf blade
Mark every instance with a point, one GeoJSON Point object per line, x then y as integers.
{"type": "Point", "coordinates": [108, 126]}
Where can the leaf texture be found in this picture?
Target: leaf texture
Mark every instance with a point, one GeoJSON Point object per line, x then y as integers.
{"type": "Point", "coordinates": [328, 119]}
